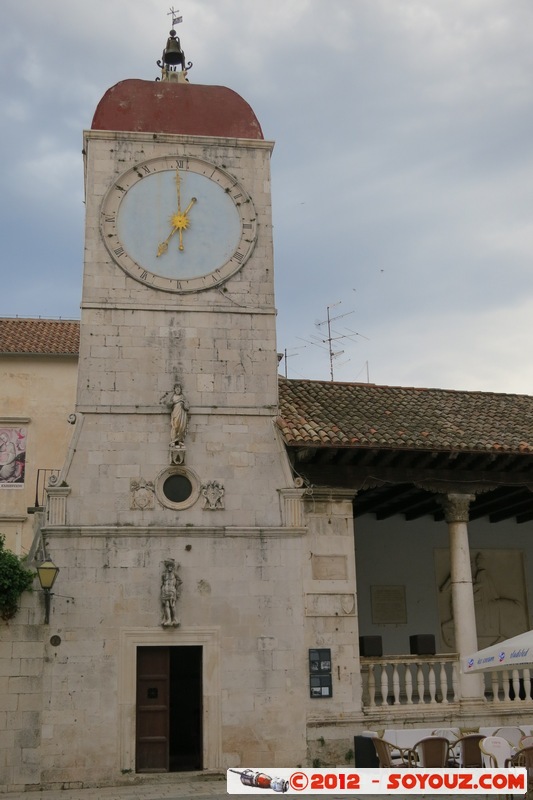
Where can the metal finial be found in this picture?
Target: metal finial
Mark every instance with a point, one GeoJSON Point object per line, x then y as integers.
{"type": "Point", "coordinates": [173, 56]}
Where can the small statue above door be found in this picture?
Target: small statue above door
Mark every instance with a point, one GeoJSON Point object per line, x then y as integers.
{"type": "Point", "coordinates": [170, 593]}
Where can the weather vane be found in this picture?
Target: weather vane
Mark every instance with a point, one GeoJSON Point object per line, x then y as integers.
{"type": "Point", "coordinates": [175, 19]}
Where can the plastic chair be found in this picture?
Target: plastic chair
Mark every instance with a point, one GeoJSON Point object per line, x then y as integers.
{"type": "Point", "coordinates": [432, 751]}
{"type": "Point", "coordinates": [496, 751]}
{"type": "Point", "coordinates": [390, 755]}
{"type": "Point", "coordinates": [525, 741]}
{"type": "Point", "coordinates": [467, 750]}
{"type": "Point", "coordinates": [512, 733]}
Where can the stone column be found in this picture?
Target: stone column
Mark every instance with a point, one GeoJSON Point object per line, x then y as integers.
{"type": "Point", "coordinates": [57, 504]}
{"type": "Point", "coordinates": [456, 511]}
{"type": "Point", "coordinates": [292, 507]}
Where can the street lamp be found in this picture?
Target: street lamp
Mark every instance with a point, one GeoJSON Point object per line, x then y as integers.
{"type": "Point", "coordinates": [47, 572]}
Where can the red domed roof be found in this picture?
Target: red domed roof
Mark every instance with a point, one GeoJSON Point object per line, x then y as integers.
{"type": "Point", "coordinates": [168, 107]}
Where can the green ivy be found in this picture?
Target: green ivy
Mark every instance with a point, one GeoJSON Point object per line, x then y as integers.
{"type": "Point", "coordinates": [14, 579]}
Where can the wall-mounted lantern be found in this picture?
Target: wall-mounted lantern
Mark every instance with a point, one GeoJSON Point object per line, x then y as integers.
{"type": "Point", "coordinates": [47, 572]}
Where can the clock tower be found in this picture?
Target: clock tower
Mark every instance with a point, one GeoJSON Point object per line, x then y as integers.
{"type": "Point", "coordinates": [176, 522]}
{"type": "Point", "coordinates": [178, 292]}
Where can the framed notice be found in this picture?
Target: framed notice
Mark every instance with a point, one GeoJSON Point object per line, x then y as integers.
{"type": "Point", "coordinates": [388, 605]}
{"type": "Point", "coordinates": [12, 457]}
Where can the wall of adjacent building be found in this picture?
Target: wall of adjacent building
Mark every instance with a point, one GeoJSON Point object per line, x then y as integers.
{"type": "Point", "coordinates": [38, 394]}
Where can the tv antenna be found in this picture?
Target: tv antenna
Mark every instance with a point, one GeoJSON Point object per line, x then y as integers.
{"type": "Point", "coordinates": [288, 354]}
{"type": "Point", "coordinates": [329, 342]}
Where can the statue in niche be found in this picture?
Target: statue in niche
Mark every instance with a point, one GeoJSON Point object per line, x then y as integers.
{"type": "Point", "coordinates": [170, 593]}
{"type": "Point", "coordinates": [179, 417]}
{"type": "Point", "coordinates": [179, 420]}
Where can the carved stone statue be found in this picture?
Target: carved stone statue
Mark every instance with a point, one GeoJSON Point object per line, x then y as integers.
{"type": "Point", "coordinates": [179, 418]}
{"type": "Point", "coordinates": [170, 593]}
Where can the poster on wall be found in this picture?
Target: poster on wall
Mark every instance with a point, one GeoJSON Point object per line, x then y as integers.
{"type": "Point", "coordinates": [500, 598]}
{"type": "Point", "coordinates": [12, 457]}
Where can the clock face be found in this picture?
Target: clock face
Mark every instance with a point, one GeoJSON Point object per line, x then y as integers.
{"type": "Point", "coordinates": [179, 224]}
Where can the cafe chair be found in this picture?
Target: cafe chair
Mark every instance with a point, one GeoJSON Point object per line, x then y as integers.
{"type": "Point", "coordinates": [525, 741]}
{"type": "Point", "coordinates": [512, 733]}
{"type": "Point", "coordinates": [467, 751]}
{"type": "Point", "coordinates": [452, 734]}
{"type": "Point", "coordinates": [432, 751]}
{"type": "Point", "coordinates": [496, 750]}
{"type": "Point", "coordinates": [524, 758]}
{"type": "Point", "coordinates": [390, 755]}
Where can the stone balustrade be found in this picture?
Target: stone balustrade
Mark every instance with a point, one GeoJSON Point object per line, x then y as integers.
{"type": "Point", "coordinates": [508, 685]}
{"type": "Point", "coordinates": [410, 680]}
{"type": "Point", "coordinates": [434, 680]}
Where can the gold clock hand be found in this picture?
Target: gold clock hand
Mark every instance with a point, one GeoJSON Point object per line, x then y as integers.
{"type": "Point", "coordinates": [178, 189]}
{"type": "Point", "coordinates": [179, 221]}
{"type": "Point", "coordinates": [163, 246]}
{"type": "Point", "coordinates": [193, 201]}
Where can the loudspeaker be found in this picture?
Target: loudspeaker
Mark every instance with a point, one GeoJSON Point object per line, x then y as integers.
{"type": "Point", "coordinates": [364, 752]}
{"type": "Point", "coordinates": [371, 646]}
{"type": "Point", "coordinates": [422, 644]}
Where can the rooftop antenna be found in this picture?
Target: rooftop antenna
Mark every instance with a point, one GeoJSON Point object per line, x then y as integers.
{"type": "Point", "coordinates": [333, 336]}
{"type": "Point", "coordinates": [286, 355]}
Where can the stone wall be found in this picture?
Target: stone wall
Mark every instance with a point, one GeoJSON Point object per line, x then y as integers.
{"type": "Point", "coordinates": [21, 695]}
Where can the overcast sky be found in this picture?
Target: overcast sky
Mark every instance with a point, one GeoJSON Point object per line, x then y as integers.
{"type": "Point", "coordinates": [402, 173]}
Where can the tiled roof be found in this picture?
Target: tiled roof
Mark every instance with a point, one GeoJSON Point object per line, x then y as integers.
{"type": "Point", "coordinates": [320, 414]}
{"type": "Point", "coordinates": [39, 336]}
{"type": "Point", "coordinates": [357, 415]}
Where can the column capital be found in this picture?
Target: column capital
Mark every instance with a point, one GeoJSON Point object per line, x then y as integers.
{"type": "Point", "coordinates": [456, 506]}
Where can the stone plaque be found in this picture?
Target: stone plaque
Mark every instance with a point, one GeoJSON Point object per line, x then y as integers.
{"type": "Point", "coordinates": [388, 605]}
{"type": "Point", "coordinates": [329, 568]}
{"type": "Point", "coordinates": [330, 605]}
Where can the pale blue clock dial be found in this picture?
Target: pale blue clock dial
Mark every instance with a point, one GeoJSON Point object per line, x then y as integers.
{"type": "Point", "coordinates": [180, 224]}
{"type": "Point", "coordinates": [145, 220]}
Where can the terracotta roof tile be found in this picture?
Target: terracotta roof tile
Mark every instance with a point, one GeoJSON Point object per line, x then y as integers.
{"type": "Point", "coordinates": [39, 336]}
{"type": "Point", "coordinates": [323, 414]}
{"type": "Point", "coordinates": [326, 414]}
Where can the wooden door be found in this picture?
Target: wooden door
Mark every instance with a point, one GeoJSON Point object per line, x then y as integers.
{"type": "Point", "coordinates": [169, 709]}
{"type": "Point", "coordinates": [153, 682]}
{"type": "Point", "coordinates": [185, 733]}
